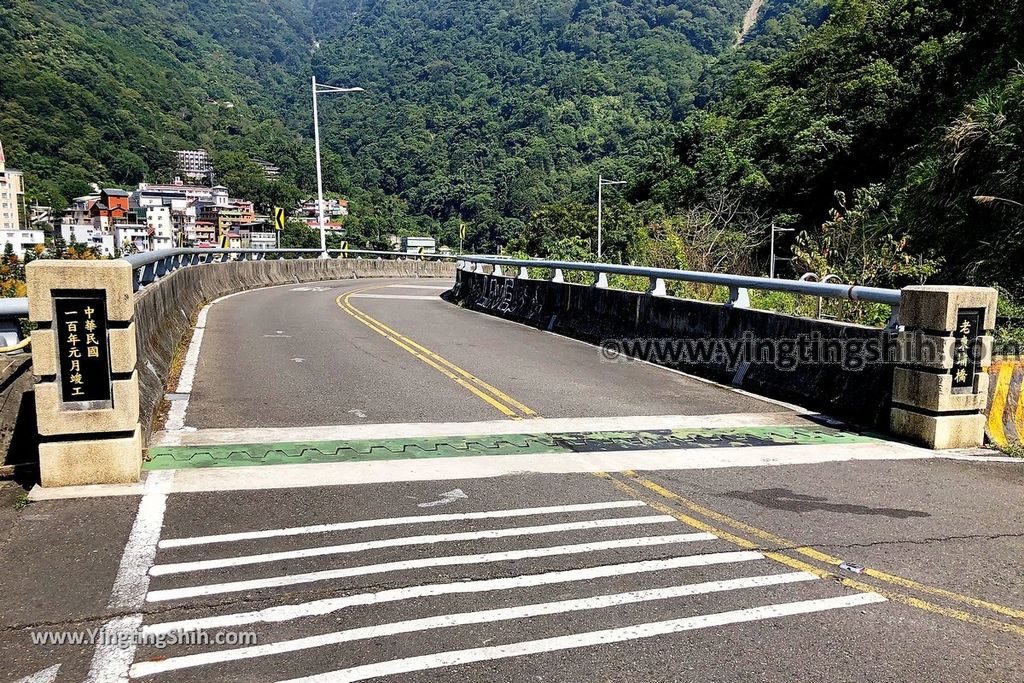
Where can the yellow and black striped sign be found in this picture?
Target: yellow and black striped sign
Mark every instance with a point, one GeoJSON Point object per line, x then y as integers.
{"type": "Point", "coordinates": [344, 249]}
{"type": "Point", "coordinates": [421, 252]}
{"type": "Point", "coordinates": [279, 218]}
{"type": "Point", "coordinates": [1006, 401]}
{"type": "Point", "coordinates": [225, 241]}
{"type": "Point", "coordinates": [462, 231]}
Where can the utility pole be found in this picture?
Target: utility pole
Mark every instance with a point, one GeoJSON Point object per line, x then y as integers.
{"type": "Point", "coordinates": [319, 88]}
{"type": "Point", "coordinates": [772, 260]}
{"type": "Point", "coordinates": [601, 182]}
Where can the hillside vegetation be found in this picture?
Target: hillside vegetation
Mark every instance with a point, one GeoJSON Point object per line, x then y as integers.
{"type": "Point", "coordinates": [103, 91]}
{"type": "Point", "coordinates": [885, 133]}
{"type": "Point", "coordinates": [910, 109]}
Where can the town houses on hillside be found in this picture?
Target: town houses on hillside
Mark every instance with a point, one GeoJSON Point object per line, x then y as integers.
{"type": "Point", "coordinates": [114, 221]}
{"type": "Point", "coordinates": [160, 216]}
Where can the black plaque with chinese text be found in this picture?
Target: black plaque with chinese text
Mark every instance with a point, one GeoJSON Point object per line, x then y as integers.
{"type": "Point", "coordinates": [965, 349]}
{"type": "Point", "coordinates": [80, 324]}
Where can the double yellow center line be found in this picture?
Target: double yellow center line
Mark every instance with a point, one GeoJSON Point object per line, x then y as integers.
{"type": "Point", "coordinates": [642, 488]}
{"type": "Point", "coordinates": [494, 397]}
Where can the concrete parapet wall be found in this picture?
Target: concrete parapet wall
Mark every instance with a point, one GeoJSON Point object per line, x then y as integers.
{"type": "Point", "coordinates": [598, 315]}
{"type": "Point", "coordinates": [164, 310]}
{"type": "Point", "coordinates": [18, 435]}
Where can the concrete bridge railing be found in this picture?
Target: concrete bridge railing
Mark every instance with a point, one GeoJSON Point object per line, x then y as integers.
{"type": "Point", "coordinates": [107, 332]}
{"type": "Point", "coordinates": [924, 377]}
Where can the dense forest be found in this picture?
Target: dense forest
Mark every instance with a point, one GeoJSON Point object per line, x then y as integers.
{"type": "Point", "coordinates": [885, 134]}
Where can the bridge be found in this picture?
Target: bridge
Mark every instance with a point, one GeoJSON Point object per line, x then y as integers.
{"type": "Point", "coordinates": [274, 466]}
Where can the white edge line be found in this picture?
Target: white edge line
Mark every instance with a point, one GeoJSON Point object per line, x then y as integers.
{"type": "Point", "coordinates": [114, 654]}
{"type": "Point", "coordinates": [466, 618]}
{"type": "Point", "coordinates": [446, 287]}
{"type": "Point", "coordinates": [395, 521]}
{"type": "Point", "coordinates": [315, 608]}
{"type": "Point", "coordinates": [581, 640]}
{"type": "Point", "coordinates": [452, 560]}
{"type": "Point", "coordinates": [132, 579]}
{"type": "Point", "coordinates": [321, 551]}
{"type": "Point", "coordinates": [405, 297]}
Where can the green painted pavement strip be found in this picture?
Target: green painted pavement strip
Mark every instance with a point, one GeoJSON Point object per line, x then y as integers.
{"type": "Point", "coordinates": [240, 455]}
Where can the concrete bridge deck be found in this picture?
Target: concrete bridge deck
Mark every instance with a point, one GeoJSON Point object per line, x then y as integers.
{"type": "Point", "coordinates": [376, 484]}
{"type": "Point", "coordinates": [315, 354]}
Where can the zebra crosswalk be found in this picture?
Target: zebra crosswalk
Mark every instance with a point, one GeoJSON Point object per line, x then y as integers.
{"type": "Point", "coordinates": [432, 594]}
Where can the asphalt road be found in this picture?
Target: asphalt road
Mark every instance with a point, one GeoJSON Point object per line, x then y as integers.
{"type": "Point", "coordinates": [292, 356]}
{"type": "Point", "coordinates": [703, 567]}
{"type": "Point", "coordinates": [609, 589]}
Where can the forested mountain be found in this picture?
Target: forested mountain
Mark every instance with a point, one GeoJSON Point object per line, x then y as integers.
{"type": "Point", "coordinates": [102, 91]}
{"type": "Point", "coordinates": [475, 109]}
{"type": "Point", "coordinates": [485, 110]}
{"type": "Point", "coordinates": [887, 133]}
{"type": "Point", "coordinates": [911, 109]}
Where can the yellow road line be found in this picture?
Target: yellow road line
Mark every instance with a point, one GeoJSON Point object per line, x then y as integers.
{"type": "Point", "coordinates": [823, 557]}
{"type": "Point", "coordinates": [800, 565]}
{"type": "Point", "coordinates": [482, 390]}
{"type": "Point", "coordinates": [527, 411]}
{"type": "Point", "coordinates": [995, 416]}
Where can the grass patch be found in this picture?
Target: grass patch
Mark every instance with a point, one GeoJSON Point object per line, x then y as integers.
{"type": "Point", "coordinates": [1014, 450]}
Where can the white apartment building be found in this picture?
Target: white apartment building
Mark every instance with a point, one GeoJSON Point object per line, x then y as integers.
{"type": "Point", "coordinates": [12, 196]}
{"type": "Point", "coordinates": [12, 192]}
{"type": "Point", "coordinates": [158, 221]}
{"type": "Point", "coordinates": [333, 208]}
{"type": "Point", "coordinates": [194, 163]}
{"type": "Point", "coordinates": [140, 236]}
{"type": "Point", "coordinates": [192, 192]}
{"type": "Point", "coordinates": [270, 171]}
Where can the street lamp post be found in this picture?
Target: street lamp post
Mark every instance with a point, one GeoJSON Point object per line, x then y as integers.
{"type": "Point", "coordinates": [773, 259]}
{"type": "Point", "coordinates": [319, 88]}
{"type": "Point", "coordinates": [601, 182]}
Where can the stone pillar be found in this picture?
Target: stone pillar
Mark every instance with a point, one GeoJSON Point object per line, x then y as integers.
{"type": "Point", "coordinates": [83, 357]}
{"type": "Point", "coordinates": [940, 387]}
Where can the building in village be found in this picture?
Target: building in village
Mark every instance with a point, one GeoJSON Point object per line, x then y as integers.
{"type": "Point", "coordinates": [15, 228]}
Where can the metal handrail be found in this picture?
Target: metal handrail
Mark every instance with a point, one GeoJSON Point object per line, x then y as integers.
{"type": "Point", "coordinates": [150, 266]}
{"type": "Point", "coordinates": [737, 284]}
{"type": "Point", "coordinates": [11, 312]}
{"type": "Point", "coordinates": [14, 308]}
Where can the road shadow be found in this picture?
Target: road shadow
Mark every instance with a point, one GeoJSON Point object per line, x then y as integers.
{"type": "Point", "coordinates": [784, 499]}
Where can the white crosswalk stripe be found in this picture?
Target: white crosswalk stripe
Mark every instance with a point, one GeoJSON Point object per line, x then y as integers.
{"type": "Point", "coordinates": [162, 569]}
{"type": "Point", "coordinates": [613, 567]}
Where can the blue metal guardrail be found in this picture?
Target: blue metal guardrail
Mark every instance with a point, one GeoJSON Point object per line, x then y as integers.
{"type": "Point", "coordinates": [738, 285]}
{"type": "Point", "coordinates": [149, 267]}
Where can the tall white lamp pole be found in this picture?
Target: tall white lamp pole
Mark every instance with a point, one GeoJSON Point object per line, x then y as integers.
{"type": "Point", "coordinates": [601, 182]}
{"type": "Point", "coordinates": [319, 88]}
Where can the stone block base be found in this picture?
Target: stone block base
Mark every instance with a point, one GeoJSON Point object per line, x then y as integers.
{"type": "Point", "coordinates": [939, 431]}
{"type": "Point", "coordinates": [100, 461]}
{"type": "Point", "coordinates": [934, 392]}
